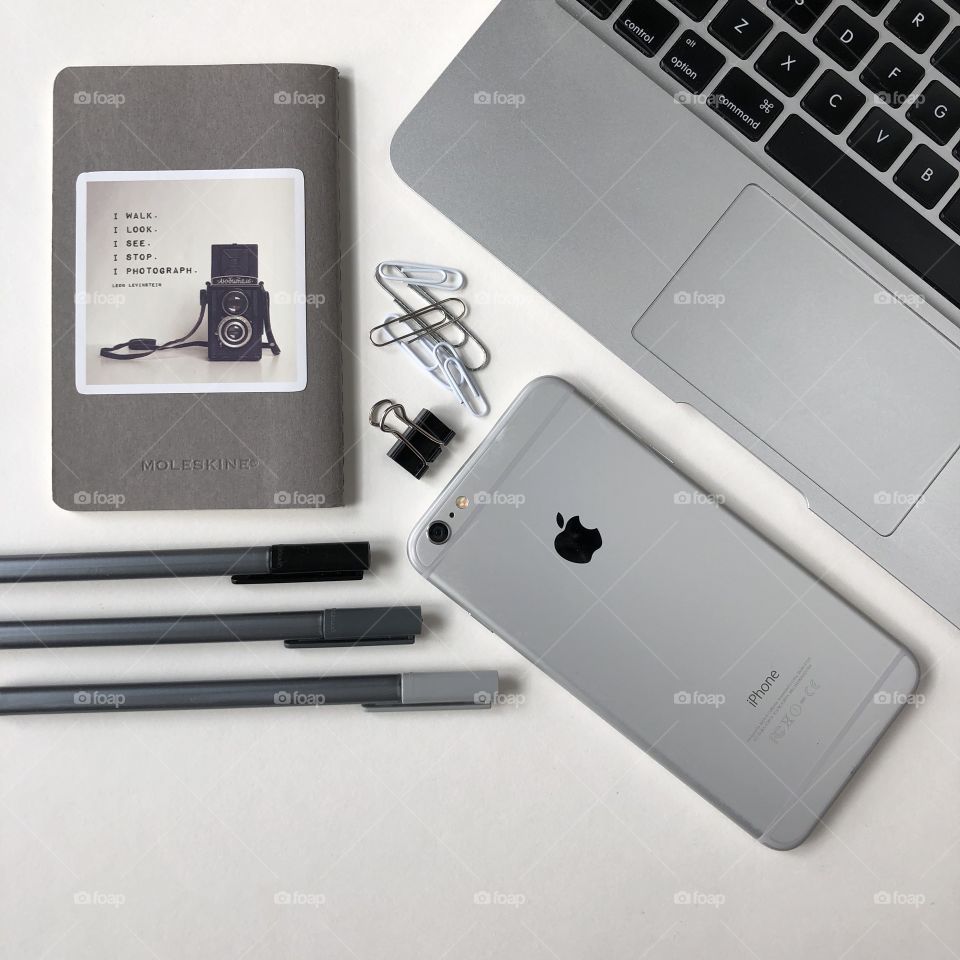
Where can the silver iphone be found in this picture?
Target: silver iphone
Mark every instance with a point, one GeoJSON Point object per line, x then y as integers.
{"type": "Point", "coordinates": [663, 611]}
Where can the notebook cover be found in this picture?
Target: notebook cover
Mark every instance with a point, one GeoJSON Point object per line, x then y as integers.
{"type": "Point", "coordinates": [153, 167]}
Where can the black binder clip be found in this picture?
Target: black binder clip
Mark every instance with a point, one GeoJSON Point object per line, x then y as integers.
{"type": "Point", "coordinates": [420, 443]}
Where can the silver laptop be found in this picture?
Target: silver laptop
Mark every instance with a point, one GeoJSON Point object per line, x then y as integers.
{"type": "Point", "coordinates": [757, 208]}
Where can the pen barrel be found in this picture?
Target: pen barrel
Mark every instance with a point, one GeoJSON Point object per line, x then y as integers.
{"type": "Point", "coordinates": [132, 631]}
{"type": "Point", "coordinates": [201, 694]}
{"type": "Point", "coordinates": [135, 565]}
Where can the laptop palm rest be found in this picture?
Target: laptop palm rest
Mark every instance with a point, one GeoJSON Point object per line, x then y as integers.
{"type": "Point", "coordinates": [853, 388]}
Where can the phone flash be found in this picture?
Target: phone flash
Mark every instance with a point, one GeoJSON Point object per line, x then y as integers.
{"type": "Point", "coordinates": [463, 502]}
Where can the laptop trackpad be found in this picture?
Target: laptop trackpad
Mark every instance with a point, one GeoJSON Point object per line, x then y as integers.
{"type": "Point", "coordinates": [810, 354]}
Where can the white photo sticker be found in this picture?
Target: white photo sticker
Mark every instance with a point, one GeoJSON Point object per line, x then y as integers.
{"type": "Point", "coordinates": [190, 281]}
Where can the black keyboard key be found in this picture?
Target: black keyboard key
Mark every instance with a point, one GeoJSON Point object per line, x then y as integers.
{"type": "Point", "coordinates": [925, 176]}
{"type": "Point", "coordinates": [891, 75]}
{"type": "Point", "coordinates": [916, 22]}
{"type": "Point", "coordinates": [846, 37]}
{"type": "Point", "coordinates": [740, 26]}
{"type": "Point", "coordinates": [879, 139]}
{"type": "Point", "coordinates": [695, 9]}
{"type": "Point", "coordinates": [800, 14]}
{"type": "Point", "coordinates": [692, 62]}
{"type": "Point", "coordinates": [646, 25]}
{"type": "Point", "coordinates": [872, 207]}
{"type": "Point", "coordinates": [602, 8]}
{"type": "Point", "coordinates": [947, 57]}
{"type": "Point", "coordinates": [950, 214]}
{"type": "Point", "coordinates": [740, 100]}
{"type": "Point", "coordinates": [873, 7]}
{"type": "Point", "coordinates": [833, 101]}
{"type": "Point", "coordinates": [936, 112]}
{"type": "Point", "coordinates": [786, 63]}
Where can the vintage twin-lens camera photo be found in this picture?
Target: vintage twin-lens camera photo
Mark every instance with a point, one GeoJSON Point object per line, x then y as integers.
{"type": "Point", "coordinates": [190, 281]}
{"type": "Point", "coordinates": [238, 305]}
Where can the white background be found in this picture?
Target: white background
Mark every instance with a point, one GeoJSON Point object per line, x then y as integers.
{"type": "Point", "coordinates": [389, 827]}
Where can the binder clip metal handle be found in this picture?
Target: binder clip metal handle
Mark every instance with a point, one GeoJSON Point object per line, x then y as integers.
{"type": "Point", "coordinates": [420, 443]}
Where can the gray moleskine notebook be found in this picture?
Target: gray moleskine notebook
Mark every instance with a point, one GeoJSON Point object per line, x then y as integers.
{"type": "Point", "coordinates": [196, 288]}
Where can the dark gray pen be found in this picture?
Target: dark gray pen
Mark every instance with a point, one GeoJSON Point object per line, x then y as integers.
{"type": "Point", "coordinates": [281, 563]}
{"type": "Point", "coordinates": [396, 691]}
{"type": "Point", "coordinates": [336, 627]}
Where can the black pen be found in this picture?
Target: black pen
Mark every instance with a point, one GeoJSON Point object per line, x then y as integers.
{"type": "Point", "coordinates": [281, 563]}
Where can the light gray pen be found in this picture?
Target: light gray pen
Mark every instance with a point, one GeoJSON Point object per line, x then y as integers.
{"type": "Point", "coordinates": [461, 690]}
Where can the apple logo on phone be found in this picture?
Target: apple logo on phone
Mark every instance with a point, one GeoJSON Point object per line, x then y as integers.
{"type": "Point", "coordinates": [575, 542]}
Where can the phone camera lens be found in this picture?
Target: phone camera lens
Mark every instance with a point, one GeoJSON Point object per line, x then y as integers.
{"type": "Point", "coordinates": [438, 532]}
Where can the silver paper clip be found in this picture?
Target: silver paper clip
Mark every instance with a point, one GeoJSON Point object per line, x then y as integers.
{"type": "Point", "coordinates": [442, 362]}
{"type": "Point", "coordinates": [421, 352]}
{"type": "Point", "coordinates": [381, 335]}
{"type": "Point", "coordinates": [419, 277]}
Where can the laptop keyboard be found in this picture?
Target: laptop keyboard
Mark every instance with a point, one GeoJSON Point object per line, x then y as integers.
{"type": "Point", "coordinates": [832, 103]}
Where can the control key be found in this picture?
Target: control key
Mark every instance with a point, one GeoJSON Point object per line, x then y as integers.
{"type": "Point", "coordinates": [646, 25]}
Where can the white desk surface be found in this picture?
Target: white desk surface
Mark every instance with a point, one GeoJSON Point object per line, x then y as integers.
{"type": "Point", "coordinates": [186, 832]}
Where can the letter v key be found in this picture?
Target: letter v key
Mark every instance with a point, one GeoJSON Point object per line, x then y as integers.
{"type": "Point", "coordinates": [879, 139]}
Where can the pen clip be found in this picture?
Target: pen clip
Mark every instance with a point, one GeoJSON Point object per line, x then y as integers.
{"type": "Point", "coordinates": [312, 563]}
{"type": "Point", "coordinates": [460, 690]}
{"type": "Point", "coordinates": [349, 642]}
{"type": "Point", "coordinates": [364, 627]}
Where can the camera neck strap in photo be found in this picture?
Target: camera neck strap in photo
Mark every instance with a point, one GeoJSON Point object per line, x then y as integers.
{"type": "Point", "coordinates": [140, 347]}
